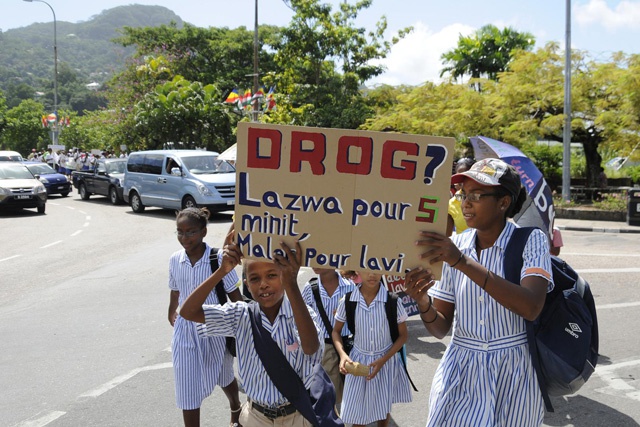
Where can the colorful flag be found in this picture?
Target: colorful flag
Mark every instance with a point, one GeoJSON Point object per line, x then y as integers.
{"type": "Point", "coordinates": [233, 97]}
{"type": "Point", "coordinates": [246, 99]}
{"type": "Point", "coordinates": [271, 102]}
{"type": "Point", "coordinates": [259, 95]}
{"type": "Point", "coordinates": [44, 121]}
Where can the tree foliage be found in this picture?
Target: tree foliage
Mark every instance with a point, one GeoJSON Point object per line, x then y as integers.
{"type": "Point", "coordinates": [23, 128]}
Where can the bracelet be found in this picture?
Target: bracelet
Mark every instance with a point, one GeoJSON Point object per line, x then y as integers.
{"type": "Point", "coordinates": [434, 319]}
{"type": "Point", "coordinates": [430, 304]}
{"type": "Point", "coordinates": [484, 284]}
{"type": "Point", "coordinates": [459, 259]}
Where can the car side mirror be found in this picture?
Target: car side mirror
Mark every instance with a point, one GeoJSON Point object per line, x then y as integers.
{"type": "Point", "coordinates": [101, 172]}
{"type": "Point", "coordinates": [176, 172]}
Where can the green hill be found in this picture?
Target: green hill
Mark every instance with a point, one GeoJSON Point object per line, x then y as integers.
{"type": "Point", "coordinates": [26, 54]}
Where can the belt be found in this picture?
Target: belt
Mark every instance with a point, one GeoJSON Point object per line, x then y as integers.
{"type": "Point", "coordinates": [273, 413]}
{"type": "Point", "coordinates": [328, 341]}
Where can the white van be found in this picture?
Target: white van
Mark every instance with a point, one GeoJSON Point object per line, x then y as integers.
{"type": "Point", "coordinates": [177, 179]}
{"type": "Point", "coordinates": [10, 156]}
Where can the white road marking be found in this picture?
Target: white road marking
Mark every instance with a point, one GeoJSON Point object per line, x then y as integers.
{"type": "Point", "coordinates": [619, 305]}
{"type": "Point", "coordinates": [88, 218]}
{"type": "Point", "coordinates": [609, 270]}
{"type": "Point", "coordinates": [122, 378]}
{"type": "Point", "coordinates": [50, 244]}
{"type": "Point", "coordinates": [11, 257]}
{"type": "Point", "coordinates": [42, 421]}
{"type": "Point", "coordinates": [76, 233]}
{"type": "Point", "coordinates": [70, 207]}
{"type": "Point", "coordinates": [83, 212]}
{"type": "Point", "coordinates": [614, 382]}
{"type": "Point", "coordinates": [86, 224]}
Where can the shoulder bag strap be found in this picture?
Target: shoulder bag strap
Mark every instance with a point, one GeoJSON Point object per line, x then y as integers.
{"type": "Point", "coordinates": [512, 268]}
{"type": "Point", "coordinates": [315, 288]}
{"type": "Point", "coordinates": [391, 308]}
{"type": "Point", "coordinates": [280, 372]}
{"type": "Point", "coordinates": [213, 260]}
{"type": "Point", "coordinates": [350, 309]}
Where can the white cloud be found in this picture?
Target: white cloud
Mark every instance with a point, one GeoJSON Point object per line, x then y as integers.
{"type": "Point", "coordinates": [625, 15]}
{"type": "Point", "coordinates": [416, 58]}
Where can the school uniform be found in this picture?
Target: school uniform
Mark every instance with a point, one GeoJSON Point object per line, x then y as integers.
{"type": "Point", "coordinates": [330, 359]}
{"type": "Point", "coordinates": [365, 401]}
{"type": "Point", "coordinates": [485, 377]}
{"type": "Point", "coordinates": [199, 363]}
{"type": "Point", "coordinates": [232, 319]}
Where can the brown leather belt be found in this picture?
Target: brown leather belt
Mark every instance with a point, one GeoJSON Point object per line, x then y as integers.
{"type": "Point", "coordinates": [273, 413]}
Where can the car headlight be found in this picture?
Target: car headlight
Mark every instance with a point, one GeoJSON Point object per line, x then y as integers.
{"type": "Point", "coordinates": [203, 189]}
{"type": "Point", "coordinates": [44, 180]}
{"type": "Point", "coordinates": [39, 189]}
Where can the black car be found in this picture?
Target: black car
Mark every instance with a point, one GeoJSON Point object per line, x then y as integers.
{"type": "Point", "coordinates": [20, 189]}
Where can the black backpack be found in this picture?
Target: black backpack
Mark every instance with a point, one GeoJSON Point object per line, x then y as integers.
{"type": "Point", "coordinates": [563, 340]}
{"type": "Point", "coordinates": [222, 296]}
{"type": "Point", "coordinates": [391, 309]}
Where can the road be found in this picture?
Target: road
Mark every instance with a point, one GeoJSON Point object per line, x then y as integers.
{"type": "Point", "coordinates": [83, 315]}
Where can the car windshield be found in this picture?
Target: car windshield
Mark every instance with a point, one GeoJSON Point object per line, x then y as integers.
{"type": "Point", "coordinates": [14, 171]}
{"type": "Point", "coordinates": [199, 165]}
{"type": "Point", "coordinates": [41, 169]}
{"type": "Point", "coordinates": [116, 167]}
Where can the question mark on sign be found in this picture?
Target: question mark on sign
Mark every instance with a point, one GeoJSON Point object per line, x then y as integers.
{"type": "Point", "coordinates": [437, 153]}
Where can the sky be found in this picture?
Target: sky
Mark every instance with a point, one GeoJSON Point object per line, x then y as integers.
{"type": "Point", "coordinates": [600, 27]}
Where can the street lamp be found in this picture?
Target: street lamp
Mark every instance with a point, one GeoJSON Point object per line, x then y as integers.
{"type": "Point", "coordinates": [54, 134]}
{"type": "Point", "coordinates": [566, 133]}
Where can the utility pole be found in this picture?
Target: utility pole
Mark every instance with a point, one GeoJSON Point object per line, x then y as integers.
{"type": "Point", "coordinates": [256, 88]}
{"type": "Point", "coordinates": [566, 134]}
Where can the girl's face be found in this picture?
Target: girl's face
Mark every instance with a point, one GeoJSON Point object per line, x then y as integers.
{"type": "Point", "coordinates": [265, 285]}
{"type": "Point", "coordinates": [190, 233]}
{"type": "Point", "coordinates": [486, 213]}
{"type": "Point", "coordinates": [371, 280]}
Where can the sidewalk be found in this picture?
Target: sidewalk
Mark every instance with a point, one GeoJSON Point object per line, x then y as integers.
{"type": "Point", "coordinates": [597, 226]}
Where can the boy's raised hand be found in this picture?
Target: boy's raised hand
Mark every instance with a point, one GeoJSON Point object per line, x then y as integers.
{"type": "Point", "coordinates": [289, 264]}
{"type": "Point", "coordinates": [231, 253]}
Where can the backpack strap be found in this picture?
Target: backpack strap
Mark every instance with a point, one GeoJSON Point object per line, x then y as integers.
{"type": "Point", "coordinates": [213, 260]}
{"type": "Point", "coordinates": [315, 289]}
{"type": "Point", "coordinates": [512, 269]}
{"type": "Point", "coordinates": [350, 308]}
{"type": "Point", "coordinates": [391, 308]}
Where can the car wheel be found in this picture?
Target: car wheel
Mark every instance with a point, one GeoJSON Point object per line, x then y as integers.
{"type": "Point", "coordinates": [113, 196]}
{"type": "Point", "coordinates": [64, 194]}
{"type": "Point", "coordinates": [189, 202]}
{"type": "Point", "coordinates": [136, 203]}
{"type": "Point", "coordinates": [42, 208]}
{"type": "Point", "coordinates": [84, 195]}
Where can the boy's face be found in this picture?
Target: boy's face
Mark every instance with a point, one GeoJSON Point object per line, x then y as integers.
{"type": "Point", "coordinates": [263, 279]}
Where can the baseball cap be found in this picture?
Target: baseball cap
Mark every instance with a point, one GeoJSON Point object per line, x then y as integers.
{"type": "Point", "coordinates": [493, 172]}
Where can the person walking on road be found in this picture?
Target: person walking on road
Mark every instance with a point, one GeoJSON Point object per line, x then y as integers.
{"type": "Point", "coordinates": [485, 377]}
{"type": "Point", "coordinates": [199, 362]}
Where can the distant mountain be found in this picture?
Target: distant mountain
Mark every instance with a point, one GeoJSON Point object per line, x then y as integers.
{"type": "Point", "coordinates": [26, 54]}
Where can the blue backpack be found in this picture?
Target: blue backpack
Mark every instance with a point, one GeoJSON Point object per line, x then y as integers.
{"type": "Point", "coordinates": [563, 340]}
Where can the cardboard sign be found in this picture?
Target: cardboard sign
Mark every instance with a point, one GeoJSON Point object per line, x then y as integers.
{"type": "Point", "coordinates": [395, 284]}
{"type": "Point", "coordinates": [354, 199]}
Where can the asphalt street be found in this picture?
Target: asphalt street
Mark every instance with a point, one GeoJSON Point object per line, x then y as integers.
{"type": "Point", "coordinates": [86, 341]}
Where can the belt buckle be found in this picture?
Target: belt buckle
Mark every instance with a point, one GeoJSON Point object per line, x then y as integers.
{"type": "Point", "coordinates": [271, 413]}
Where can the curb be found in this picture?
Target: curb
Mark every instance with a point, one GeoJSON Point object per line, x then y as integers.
{"type": "Point", "coordinates": [599, 229]}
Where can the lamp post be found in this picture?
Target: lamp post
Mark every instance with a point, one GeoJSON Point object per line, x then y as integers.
{"type": "Point", "coordinates": [255, 65]}
{"type": "Point", "coordinates": [54, 133]}
{"type": "Point", "coordinates": [566, 134]}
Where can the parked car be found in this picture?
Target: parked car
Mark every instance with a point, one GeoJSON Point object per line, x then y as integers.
{"type": "Point", "coordinates": [106, 179]}
{"type": "Point", "coordinates": [54, 182]}
{"type": "Point", "coordinates": [19, 188]}
{"type": "Point", "coordinates": [10, 156]}
{"type": "Point", "coordinates": [177, 179]}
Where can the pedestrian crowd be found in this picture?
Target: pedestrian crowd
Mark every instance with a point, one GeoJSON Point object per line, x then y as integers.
{"type": "Point", "coordinates": [348, 323]}
{"type": "Point", "coordinates": [65, 162]}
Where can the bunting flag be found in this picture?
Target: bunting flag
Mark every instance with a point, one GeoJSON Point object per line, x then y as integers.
{"type": "Point", "coordinates": [233, 97]}
{"type": "Point", "coordinates": [246, 99]}
{"type": "Point", "coordinates": [271, 102]}
{"type": "Point", "coordinates": [259, 95]}
{"type": "Point", "coordinates": [44, 121]}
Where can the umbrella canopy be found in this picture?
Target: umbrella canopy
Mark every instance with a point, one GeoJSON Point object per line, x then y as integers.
{"type": "Point", "coordinates": [538, 210]}
{"type": "Point", "coordinates": [229, 154]}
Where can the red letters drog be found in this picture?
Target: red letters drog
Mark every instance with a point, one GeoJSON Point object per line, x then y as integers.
{"type": "Point", "coordinates": [315, 155]}
{"type": "Point", "coordinates": [407, 169]}
{"type": "Point", "coordinates": [254, 159]}
{"type": "Point", "coordinates": [363, 166]}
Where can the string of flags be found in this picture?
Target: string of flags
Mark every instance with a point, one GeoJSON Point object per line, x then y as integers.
{"type": "Point", "coordinates": [52, 120]}
{"type": "Point", "coordinates": [245, 100]}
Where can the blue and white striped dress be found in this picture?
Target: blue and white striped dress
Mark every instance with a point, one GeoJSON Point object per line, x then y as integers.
{"type": "Point", "coordinates": [485, 377]}
{"type": "Point", "coordinates": [364, 402]}
{"type": "Point", "coordinates": [329, 302]}
{"type": "Point", "coordinates": [232, 319]}
{"type": "Point", "coordinates": [199, 363]}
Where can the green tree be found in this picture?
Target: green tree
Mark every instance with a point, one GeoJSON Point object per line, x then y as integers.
{"type": "Point", "coordinates": [183, 112]}
{"type": "Point", "coordinates": [23, 130]}
{"type": "Point", "coordinates": [485, 53]}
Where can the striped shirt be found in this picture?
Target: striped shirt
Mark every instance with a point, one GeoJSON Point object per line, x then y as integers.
{"type": "Point", "coordinates": [233, 320]}
{"type": "Point", "coordinates": [329, 302]}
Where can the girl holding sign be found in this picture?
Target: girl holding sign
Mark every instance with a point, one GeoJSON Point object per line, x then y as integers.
{"type": "Point", "coordinates": [485, 377]}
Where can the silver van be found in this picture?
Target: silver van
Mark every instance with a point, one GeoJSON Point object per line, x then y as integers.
{"type": "Point", "coordinates": [177, 179]}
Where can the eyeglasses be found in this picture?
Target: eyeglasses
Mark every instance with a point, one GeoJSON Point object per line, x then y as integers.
{"type": "Point", "coordinates": [188, 234]}
{"type": "Point", "coordinates": [473, 197]}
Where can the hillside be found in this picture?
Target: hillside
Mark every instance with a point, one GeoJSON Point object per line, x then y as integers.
{"type": "Point", "coordinates": [26, 54]}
